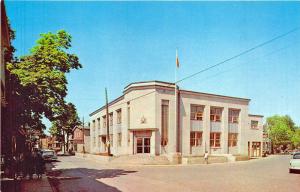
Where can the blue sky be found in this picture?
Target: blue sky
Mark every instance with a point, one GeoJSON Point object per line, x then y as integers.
{"type": "Point", "coordinates": [123, 42]}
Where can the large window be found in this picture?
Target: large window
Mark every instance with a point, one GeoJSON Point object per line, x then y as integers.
{"type": "Point", "coordinates": [164, 122]}
{"type": "Point", "coordinates": [215, 139]}
{"type": "Point", "coordinates": [119, 139]}
{"type": "Point", "coordinates": [111, 140]}
{"type": "Point", "coordinates": [119, 116]}
{"type": "Point", "coordinates": [254, 124]}
{"type": "Point", "coordinates": [195, 138]}
{"type": "Point", "coordinates": [98, 123]}
{"type": "Point", "coordinates": [111, 117]}
{"type": "Point", "coordinates": [94, 133]}
{"type": "Point", "coordinates": [128, 124]}
{"type": "Point", "coordinates": [215, 114]}
{"type": "Point", "coordinates": [104, 121]}
{"type": "Point", "coordinates": [232, 139]}
{"type": "Point", "coordinates": [233, 116]}
{"type": "Point", "coordinates": [197, 112]}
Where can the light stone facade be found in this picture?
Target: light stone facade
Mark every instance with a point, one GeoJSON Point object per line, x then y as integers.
{"type": "Point", "coordinates": [139, 127]}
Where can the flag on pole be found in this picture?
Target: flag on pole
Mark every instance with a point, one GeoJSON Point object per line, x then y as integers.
{"type": "Point", "coordinates": [177, 60]}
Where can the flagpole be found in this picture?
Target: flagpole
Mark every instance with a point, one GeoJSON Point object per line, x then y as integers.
{"type": "Point", "coordinates": [175, 94]}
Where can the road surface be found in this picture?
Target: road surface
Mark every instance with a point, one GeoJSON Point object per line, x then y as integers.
{"type": "Point", "coordinates": [74, 174]}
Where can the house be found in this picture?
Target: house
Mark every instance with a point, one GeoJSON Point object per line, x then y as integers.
{"type": "Point", "coordinates": [81, 139]}
{"type": "Point", "coordinates": [143, 121]}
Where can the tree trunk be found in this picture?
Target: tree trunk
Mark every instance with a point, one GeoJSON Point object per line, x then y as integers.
{"type": "Point", "coordinates": [67, 144]}
{"type": "Point", "coordinates": [64, 143]}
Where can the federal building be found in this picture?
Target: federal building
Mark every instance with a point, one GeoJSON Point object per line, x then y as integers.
{"type": "Point", "coordinates": [149, 119]}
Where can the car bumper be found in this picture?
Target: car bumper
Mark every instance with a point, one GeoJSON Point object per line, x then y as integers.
{"type": "Point", "coordinates": [294, 168]}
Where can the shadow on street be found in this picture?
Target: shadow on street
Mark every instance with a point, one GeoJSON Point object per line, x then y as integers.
{"type": "Point", "coordinates": [83, 179]}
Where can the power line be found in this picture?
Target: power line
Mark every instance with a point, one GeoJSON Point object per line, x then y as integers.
{"type": "Point", "coordinates": [220, 63]}
{"type": "Point", "coordinates": [230, 69]}
{"type": "Point", "coordinates": [242, 53]}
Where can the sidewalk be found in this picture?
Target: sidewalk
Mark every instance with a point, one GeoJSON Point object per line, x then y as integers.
{"type": "Point", "coordinates": [36, 185]}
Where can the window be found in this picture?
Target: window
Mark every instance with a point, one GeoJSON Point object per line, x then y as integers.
{"type": "Point", "coordinates": [119, 139]}
{"type": "Point", "coordinates": [254, 124]}
{"type": "Point", "coordinates": [164, 122]}
{"type": "Point", "coordinates": [128, 123]}
{"type": "Point", "coordinates": [111, 141]}
{"type": "Point", "coordinates": [119, 116]}
{"type": "Point", "coordinates": [233, 116]}
{"type": "Point", "coordinates": [215, 114]}
{"type": "Point", "coordinates": [197, 112]}
{"type": "Point", "coordinates": [232, 139]}
{"type": "Point", "coordinates": [94, 138]}
{"type": "Point", "coordinates": [215, 139]}
{"type": "Point", "coordinates": [195, 138]}
{"type": "Point", "coordinates": [104, 121]}
{"type": "Point", "coordinates": [110, 119]}
{"type": "Point", "coordinates": [98, 123]}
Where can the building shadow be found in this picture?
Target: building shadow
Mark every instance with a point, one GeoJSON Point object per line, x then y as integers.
{"type": "Point", "coordinates": [84, 179]}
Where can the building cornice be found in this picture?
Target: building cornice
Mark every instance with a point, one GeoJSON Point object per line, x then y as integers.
{"type": "Point", "coordinates": [214, 95]}
{"type": "Point", "coordinates": [252, 115]}
{"type": "Point", "coordinates": [109, 104]}
{"type": "Point", "coordinates": [143, 85]}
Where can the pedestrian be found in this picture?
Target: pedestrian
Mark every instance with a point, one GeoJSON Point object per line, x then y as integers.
{"type": "Point", "coordinates": [29, 165]}
{"type": "Point", "coordinates": [206, 157]}
{"type": "Point", "coordinates": [22, 164]}
{"type": "Point", "coordinates": [39, 165]}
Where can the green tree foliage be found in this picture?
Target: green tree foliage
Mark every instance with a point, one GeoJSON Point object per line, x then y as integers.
{"type": "Point", "coordinates": [65, 122]}
{"type": "Point", "coordinates": [296, 138]}
{"type": "Point", "coordinates": [40, 78]}
{"type": "Point", "coordinates": [281, 129]}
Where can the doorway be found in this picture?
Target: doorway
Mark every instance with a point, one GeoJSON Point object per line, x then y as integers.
{"type": "Point", "coordinates": [143, 145]}
{"type": "Point", "coordinates": [256, 149]}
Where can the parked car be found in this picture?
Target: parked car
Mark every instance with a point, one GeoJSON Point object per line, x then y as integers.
{"type": "Point", "coordinates": [49, 155]}
{"type": "Point", "coordinates": [295, 162]}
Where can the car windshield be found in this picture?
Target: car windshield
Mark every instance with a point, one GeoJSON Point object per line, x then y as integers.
{"type": "Point", "coordinates": [296, 156]}
{"type": "Point", "coordinates": [48, 153]}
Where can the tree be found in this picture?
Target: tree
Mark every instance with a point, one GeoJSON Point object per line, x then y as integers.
{"type": "Point", "coordinates": [281, 129]}
{"type": "Point", "coordinates": [40, 79]}
{"type": "Point", "coordinates": [65, 122]}
{"type": "Point", "coordinates": [296, 138]}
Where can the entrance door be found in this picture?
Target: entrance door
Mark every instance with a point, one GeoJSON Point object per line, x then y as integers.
{"type": "Point", "coordinates": [142, 145]}
{"type": "Point", "coordinates": [103, 144]}
{"type": "Point", "coordinates": [256, 148]}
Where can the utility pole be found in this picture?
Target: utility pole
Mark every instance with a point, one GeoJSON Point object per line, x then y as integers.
{"type": "Point", "coordinates": [83, 130]}
{"type": "Point", "coordinates": [107, 124]}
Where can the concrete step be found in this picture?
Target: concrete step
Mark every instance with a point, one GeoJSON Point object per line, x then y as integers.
{"type": "Point", "coordinates": [140, 159]}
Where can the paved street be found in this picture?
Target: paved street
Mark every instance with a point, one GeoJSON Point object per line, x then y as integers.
{"type": "Point", "coordinates": [269, 174]}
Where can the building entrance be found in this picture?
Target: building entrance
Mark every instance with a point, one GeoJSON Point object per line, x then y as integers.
{"type": "Point", "coordinates": [256, 149]}
{"type": "Point", "coordinates": [143, 145]}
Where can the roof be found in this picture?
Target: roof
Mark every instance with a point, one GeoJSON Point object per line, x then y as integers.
{"type": "Point", "coordinates": [252, 115]}
{"type": "Point", "coordinates": [159, 84]}
{"type": "Point", "coordinates": [80, 127]}
{"type": "Point", "coordinates": [215, 95]}
{"type": "Point", "coordinates": [154, 81]}
{"type": "Point", "coordinates": [109, 104]}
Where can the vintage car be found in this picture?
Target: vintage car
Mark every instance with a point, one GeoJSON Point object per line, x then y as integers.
{"type": "Point", "coordinates": [295, 162]}
{"type": "Point", "coordinates": [49, 155]}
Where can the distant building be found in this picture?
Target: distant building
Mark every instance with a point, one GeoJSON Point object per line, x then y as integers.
{"type": "Point", "coordinates": [267, 145]}
{"type": "Point", "coordinates": [54, 143]}
{"type": "Point", "coordinates": [142, 121]}
{"type": "Point", "coordinates": [81, 139]}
